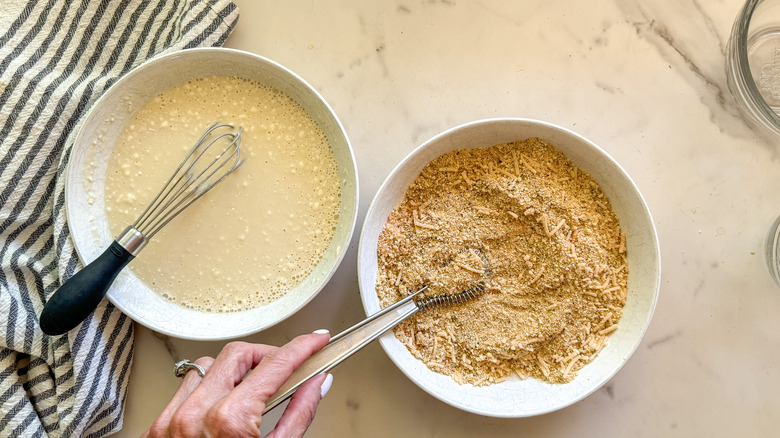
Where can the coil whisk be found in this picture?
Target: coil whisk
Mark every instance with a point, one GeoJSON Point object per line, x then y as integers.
{"type": "Point", "coordinates": [451, 300]}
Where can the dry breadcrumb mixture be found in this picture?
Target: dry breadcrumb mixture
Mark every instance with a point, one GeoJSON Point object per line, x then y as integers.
{"type": "Point", "coordinates": [538, 232]}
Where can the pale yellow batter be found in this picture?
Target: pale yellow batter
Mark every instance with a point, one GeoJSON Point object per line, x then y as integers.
{"type": "Point", "coordinates": [257, 234]}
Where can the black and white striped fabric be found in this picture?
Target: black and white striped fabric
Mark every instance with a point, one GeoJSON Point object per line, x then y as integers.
{"type": "Point", "coordinates": [56, 58]}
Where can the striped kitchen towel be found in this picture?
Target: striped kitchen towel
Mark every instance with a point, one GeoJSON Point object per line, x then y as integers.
{"type": "Point", "coordinates": [56, 58]}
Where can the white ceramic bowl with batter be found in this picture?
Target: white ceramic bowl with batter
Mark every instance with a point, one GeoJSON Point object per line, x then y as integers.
{"type": "Point", "coordinates": [514, 397]}
{"type": "Point", "coordinates": [87, 170]}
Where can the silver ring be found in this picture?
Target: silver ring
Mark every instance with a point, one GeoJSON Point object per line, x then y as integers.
{"type": "Point", "coordinates": [182, 367]}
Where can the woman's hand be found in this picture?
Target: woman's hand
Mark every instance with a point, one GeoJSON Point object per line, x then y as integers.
{"type": "Point", "coordinates": [228, 402]}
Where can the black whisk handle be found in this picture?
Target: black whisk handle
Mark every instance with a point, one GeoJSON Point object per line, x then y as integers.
{"type": "Point", "coordinates": [80, 295]}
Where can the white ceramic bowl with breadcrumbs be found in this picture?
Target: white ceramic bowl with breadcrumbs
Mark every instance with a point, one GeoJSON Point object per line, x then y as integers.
{"type": "Point", "coordinates": [514, 397]}
{"type": "Point", "coordinates": [87, 173]}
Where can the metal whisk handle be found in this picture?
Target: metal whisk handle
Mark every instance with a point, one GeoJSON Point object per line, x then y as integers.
{"type": "Point", "coordinates": [348, 342]}
{"type": "Point", "coordinates": [80, 295]}
{"type": "Point", "coordinates": [344, 345]}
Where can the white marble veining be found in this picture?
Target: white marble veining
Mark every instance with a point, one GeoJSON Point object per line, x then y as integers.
{"type": "Point", "coordinates": [644, 79]}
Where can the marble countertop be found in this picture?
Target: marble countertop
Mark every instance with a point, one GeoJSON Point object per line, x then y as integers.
{"type": "Point", "coordinates": [644, 79]}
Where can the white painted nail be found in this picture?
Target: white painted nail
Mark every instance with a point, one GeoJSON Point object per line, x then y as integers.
{"type": "Point", "coordinates": [326, 385]}
{"type": "Point", "coordinates": [321, 332]}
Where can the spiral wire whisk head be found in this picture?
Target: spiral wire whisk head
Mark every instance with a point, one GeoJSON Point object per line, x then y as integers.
{"type": "Point", "coordinates": [451, 300]}
{"type": "Point", "coordinates": [213, 157]}
{"type": "Point", "coordinates": [463, 296]}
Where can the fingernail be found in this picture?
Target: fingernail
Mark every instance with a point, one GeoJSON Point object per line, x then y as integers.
{"type": "Point", "coordinates": [321, 332]}
{"type": "Point", "coordinates": [326, 385]}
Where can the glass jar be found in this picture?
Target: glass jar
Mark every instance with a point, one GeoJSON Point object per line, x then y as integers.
{"type": "Point", "coordinates": [753, 62]}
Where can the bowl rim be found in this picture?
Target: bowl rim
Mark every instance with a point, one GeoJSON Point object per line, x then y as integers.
{"type": "Point", "coordinates": [388, 341]}
{"type": "Point", "coordinates": [94, 111]}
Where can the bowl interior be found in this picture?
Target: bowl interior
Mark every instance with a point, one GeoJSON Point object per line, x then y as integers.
{"type": "Point", "coordinates": [87, 170]}
{"type": "Point", "coordinates": [515, 397]}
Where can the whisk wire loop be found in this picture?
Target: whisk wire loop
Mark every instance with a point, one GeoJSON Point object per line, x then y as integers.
{"type": "Point", "coordinates": [193, 178]}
